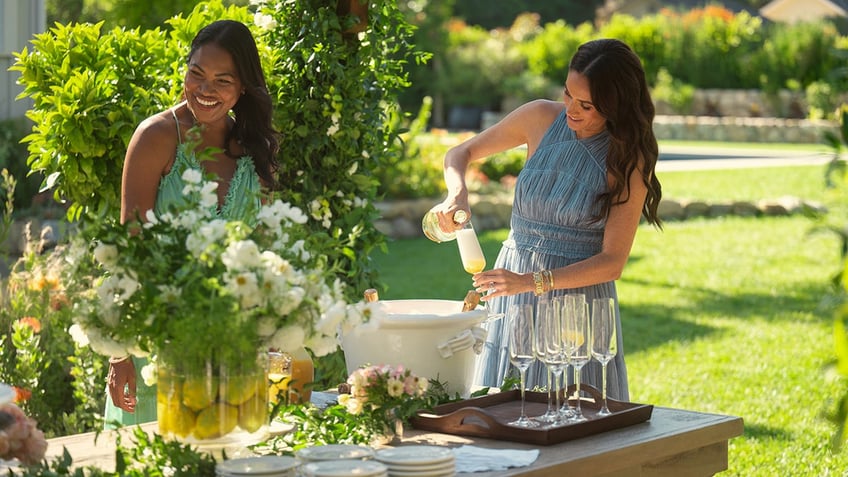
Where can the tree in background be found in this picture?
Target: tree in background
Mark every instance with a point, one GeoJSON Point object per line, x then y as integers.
{"type": "Point", "coordinates": [502, 13]}
{"type": "Point", "coordinates": [430, 18]}
{"type": "Point", "coordinates": [128, 13]}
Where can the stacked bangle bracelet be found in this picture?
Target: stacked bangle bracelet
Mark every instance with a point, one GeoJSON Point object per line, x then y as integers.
{"type": "Point", "coordinates": [543, 281]}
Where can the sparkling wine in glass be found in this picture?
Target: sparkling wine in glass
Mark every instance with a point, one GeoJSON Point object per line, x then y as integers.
{"type": "Point", "coordinates": [521, 352]}
{"type": "Point", "coordinates": [565, 306]}
{"type": "Point", "coordinates": [604, 342]}
{"type": "Point", "coordinates": [576, 336]}
{"type": "Point", "coordinates": [470, 252]}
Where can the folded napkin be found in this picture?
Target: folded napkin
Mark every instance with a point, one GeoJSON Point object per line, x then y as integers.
{"type": "Point", "coordinates": [479, 459]}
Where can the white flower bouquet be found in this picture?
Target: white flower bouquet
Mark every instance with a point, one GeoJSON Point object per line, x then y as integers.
{"type": "Point", "coordinates": [190, 281]}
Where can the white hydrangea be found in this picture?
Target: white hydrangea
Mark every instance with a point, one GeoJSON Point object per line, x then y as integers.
{"type": "Point", "coordinates": [241, 254]}
{"type": "Point", "coordinates": [191, 176]}
{"type": "Point", "coordinates": [265, 21]}
{"type": "Point", "coordinates": [148, 374]}
{"type": "Point", "coordinates": [288, 337]}
{"type": "Point", "coordinates": [106, 255]}
{"type": "Point", "coordinates": [245, 287]}
{"type": "Point", "coordinates": [78, 335]}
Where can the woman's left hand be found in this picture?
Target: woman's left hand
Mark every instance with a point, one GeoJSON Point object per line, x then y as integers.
{"type": "Point", "coordinates": [501, 282]}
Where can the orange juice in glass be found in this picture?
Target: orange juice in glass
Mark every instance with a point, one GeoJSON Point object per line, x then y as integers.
{"type": "Point", "coordinates": [302, 376]}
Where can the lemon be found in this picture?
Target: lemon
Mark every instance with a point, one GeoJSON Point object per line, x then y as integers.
{"type": "Point", "coordinates": [238, 389]}
{"type": "Point", "coordinates": [279, 385]}
{"type": "Point", "coordinates": [174, 418]}
{"type": "Point", "coordinates": [168, 389]}
{"type": "Point", "coordinates": [253, 413]}
{"type": "Point", "coordinates": [215, 421]}
{"type": "Point", "coordinates": [199, 392]}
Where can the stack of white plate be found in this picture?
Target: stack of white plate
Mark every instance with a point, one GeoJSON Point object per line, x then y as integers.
{"type": "Point", "coordinates": [334, 452]}
{"type": "Point", "coordinates": [344, 468]}
{"type": "Point", "coordinates": [264, 466]}
{"type": "Point", "coordinates": [417, 461]}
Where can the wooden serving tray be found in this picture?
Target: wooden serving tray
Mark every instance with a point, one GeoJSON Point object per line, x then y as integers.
{"type": "Point", "coordinates": [487, 416]}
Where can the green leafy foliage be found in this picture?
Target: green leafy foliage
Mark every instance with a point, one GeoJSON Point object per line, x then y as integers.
{"type": "Point", "coordinates": [13, 158]}
{"type": "Point", "coordinates": [404, 173]}
{"type": "Point", "coordinates": [836, 177]}
{"type": "Point", "coordinates": [153, 455]}
{"type": "Point", "coordinates": [673, 91]}
{"type": "Point", "coordinates": [336, 92]}
{"type": "Point", "coordinates": [90, 90]}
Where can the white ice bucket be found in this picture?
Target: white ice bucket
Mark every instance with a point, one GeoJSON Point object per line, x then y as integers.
{"type": "Point", "coordinates": [432, 338]}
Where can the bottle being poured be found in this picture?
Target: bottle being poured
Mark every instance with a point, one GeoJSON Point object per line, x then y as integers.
{"type": "Point", "coordinates": [430, 226]}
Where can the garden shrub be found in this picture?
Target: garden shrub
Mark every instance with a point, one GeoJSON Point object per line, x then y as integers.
{"type": "Point", "coordinates": [13, 158]}
{"type": "Point", "coordinates": [549, 52]}
{"type": "Point", "coordinates": [504, 164]}
{"type": "Point", "coordinates": [652, 37]}
{"type": "Point", "coordinates": [802, 52]}
{"type": "Point", "coordinates": [676, 93]}
{"type": "Point", "coordinates": [90, 90]}
{"type": "Point", "coordinates": [408, 172]}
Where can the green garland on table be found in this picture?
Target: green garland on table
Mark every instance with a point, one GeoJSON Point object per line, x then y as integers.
{"type": "Point", "coordinates": [151, 455]}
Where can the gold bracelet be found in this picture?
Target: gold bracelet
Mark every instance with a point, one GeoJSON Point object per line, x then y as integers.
{"type": "Point", "coordinates": [537, 281]}
{"type": "Point", "coordinates": [550, 276]}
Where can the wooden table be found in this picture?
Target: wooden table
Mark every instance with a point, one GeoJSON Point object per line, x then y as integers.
{"type": "Point", "coordinates": [673, 443]}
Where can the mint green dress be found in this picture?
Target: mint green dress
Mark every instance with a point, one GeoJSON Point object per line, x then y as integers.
{"type": "Point", "coordinates": [241, 198]}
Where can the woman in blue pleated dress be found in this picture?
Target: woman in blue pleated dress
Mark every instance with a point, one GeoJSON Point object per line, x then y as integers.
{"type": "Point", "coordinates": [227, 107]}
{"type": "Point", "coordinates": [588, 179]}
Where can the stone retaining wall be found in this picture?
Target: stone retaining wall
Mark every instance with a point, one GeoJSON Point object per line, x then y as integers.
{"type": "Point", "coordinates": [402, 219]}
{"type": "Point", "coordinates": [740, 129]}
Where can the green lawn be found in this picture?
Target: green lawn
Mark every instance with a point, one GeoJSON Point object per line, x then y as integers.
{"type": "Point", "coordinates": [726, 316]}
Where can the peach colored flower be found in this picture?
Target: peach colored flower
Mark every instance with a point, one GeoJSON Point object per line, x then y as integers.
{"type": "Point", "coordinates": [22, 394]}
{"type": "Point", "coordinates": [43, 282]}
{"type": "Point", "coordinates": [32, 322]}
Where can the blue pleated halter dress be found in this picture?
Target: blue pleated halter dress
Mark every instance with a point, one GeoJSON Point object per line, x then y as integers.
{"type": "Point", "coordinates": [552, 226]}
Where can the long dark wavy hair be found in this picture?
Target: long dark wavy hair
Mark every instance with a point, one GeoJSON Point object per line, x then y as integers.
{"type": "Point", "coordinates": [253, 112]}
{"type": "Point", "coordinates": [620, 93]}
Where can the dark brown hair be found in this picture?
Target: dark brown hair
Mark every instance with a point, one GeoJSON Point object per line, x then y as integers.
{"type": "Point", "coordinates": [620, 93]}
{"type": "Point", "coordinates": [253, 111]}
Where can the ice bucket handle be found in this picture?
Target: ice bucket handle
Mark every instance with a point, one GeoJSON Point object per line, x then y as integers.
{"type": "Point", "coordinates": [473, 337]}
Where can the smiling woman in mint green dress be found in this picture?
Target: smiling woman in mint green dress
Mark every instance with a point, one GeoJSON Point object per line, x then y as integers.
{"type": "Point", "coordinates": [227, 107]}
{"type": "Point", "coordinates": [588, 178]}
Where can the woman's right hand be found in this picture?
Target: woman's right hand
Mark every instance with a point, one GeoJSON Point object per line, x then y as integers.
{"type": "Point", "coordinates": [122, 386]}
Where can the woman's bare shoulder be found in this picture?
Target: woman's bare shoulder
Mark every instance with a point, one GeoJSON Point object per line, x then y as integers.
{"type": "Point", "coordinates": [536, 115]}
{"type": "Point", "coordinates": [156, 133]}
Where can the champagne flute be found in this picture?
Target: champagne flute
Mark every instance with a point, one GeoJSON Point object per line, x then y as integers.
{"type": "Point", "coordinates": [543, 309]}
{"type": "Point", "coordinates": [551, 351]}
{"type": "Point", "coordinates": [577, 338]}
{"type": "Point", "coordinates": [604, 342]}
{"type": "Point", "coordinates": [565, 307]}
{"type": "Point", "coordinates": [470, 252]}
{"type": "Point", "coordinates": [521, 353]}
